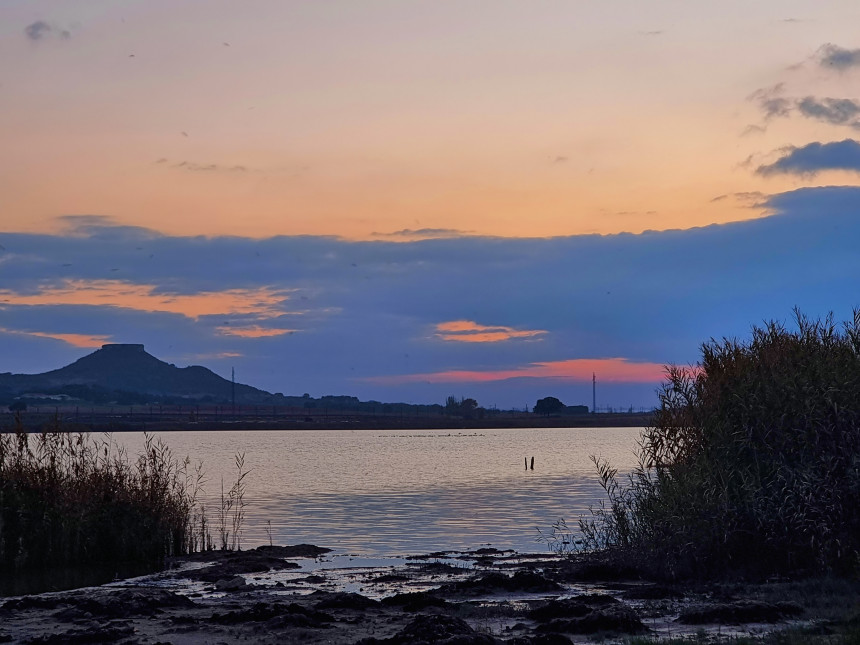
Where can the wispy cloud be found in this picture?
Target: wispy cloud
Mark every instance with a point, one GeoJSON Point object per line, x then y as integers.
{"type": "Point", "coordinates": [192, 166]}
{"type": "Point", "coordinates": [815, 157]}
{"type": "Point", "coordinates": [75, 340]}
{"type": "Point", "coordinates": [101, 227]}
{"type": "Point", "coordinates": [262, 302]}
{"type": "Point", "coordinates": [253, 331]}
{"type": "Point", "coordinates": [468, 331]}
{"type": "Point", "coordinates": [835, 57]}
{"type": "Point", "coordinates": [41, 30]}
{"type": "Point", "coordinates": [829, 110]}
{"type": "Point", "coordinates": [423, 233]}
{"type": "Point", "coordinates": [84, 222]}
{"type": "Point", "coordinates": [751, 198]}
{"type": "Point", "coordinates": [771, 101]}
{"type": "Point", "coordinates": [212, 356]}
{"type": "Point", "coordinates": [753, 129]}
{"type": "Point", "coordinates": [613, 370]}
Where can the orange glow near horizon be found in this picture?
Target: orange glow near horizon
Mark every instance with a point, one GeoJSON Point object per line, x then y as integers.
{"type": "Point", "coordinates": [609, 370]}
{"type": "Point", "coordinates": [262, 302]}
{"type": "Point", "coordinates": [468, 331]}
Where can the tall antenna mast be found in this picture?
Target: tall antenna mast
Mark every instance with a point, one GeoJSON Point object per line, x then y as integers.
{"type": "Point", "coordinates": [593, 393]}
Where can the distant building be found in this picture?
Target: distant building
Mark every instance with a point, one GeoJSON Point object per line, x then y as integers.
{"type": "Point", "coordinates": [576, 409]}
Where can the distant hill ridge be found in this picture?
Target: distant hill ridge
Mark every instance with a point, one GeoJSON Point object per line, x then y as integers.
{"type": "Point", "coordinates": [129, 368]}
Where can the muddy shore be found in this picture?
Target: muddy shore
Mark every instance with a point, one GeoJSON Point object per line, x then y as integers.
{"type": "Point", "coordinates": [306, 594]}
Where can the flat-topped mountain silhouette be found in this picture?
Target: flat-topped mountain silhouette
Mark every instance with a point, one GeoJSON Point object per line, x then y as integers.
{"type": "Point", "coordinates": [127, 368]}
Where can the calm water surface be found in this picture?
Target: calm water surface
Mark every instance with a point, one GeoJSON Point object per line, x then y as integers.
{"type": "Point", "coordinates": [394, 492]}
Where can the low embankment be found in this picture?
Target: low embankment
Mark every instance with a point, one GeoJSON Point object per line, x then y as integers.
{"type": "Point", "coordinates": [177, 418]}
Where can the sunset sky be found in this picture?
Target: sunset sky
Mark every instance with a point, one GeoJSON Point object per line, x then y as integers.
{"type": "Point", "coordinates": [404, 200]}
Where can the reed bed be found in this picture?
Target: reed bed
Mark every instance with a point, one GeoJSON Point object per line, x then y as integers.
{"type": "Point", "coordinates": [71, 499]}
{"type": "Point", "coordinates": [752, 465]}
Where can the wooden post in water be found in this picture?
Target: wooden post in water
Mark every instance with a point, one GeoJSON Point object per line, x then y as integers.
{"type": "Point", "coordinates": [533, 463]}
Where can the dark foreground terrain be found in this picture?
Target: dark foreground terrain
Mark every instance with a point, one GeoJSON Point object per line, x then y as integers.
{"type": "Point", "coordinates": [302, 595]}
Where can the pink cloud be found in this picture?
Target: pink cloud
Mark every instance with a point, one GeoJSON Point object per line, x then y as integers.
{"type": "Point", "coordinates": [253, 331]}
{"type": "Point", "coordinates": [608, 370]}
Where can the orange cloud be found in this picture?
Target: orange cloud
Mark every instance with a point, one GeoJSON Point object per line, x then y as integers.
{"type": "Point", "coordinates": [263, 302]}
{"type": "Point", "coordinates": [253, 331]}
{"type": "Point", "coordinates": [468, 331]}
{"type": "Point", "coordinates": [75, 340]}
{"type": "Point", "coordinates": [612, 370]}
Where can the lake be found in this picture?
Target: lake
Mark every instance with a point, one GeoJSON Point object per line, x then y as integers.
{"type": "Point", "coordinates": [383, 493]}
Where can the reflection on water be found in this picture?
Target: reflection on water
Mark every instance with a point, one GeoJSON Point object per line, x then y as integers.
{"type": "Point", "coordinates": [400, 492]}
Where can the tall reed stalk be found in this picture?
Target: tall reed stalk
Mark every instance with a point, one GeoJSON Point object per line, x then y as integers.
{"type": "Point", "coordinates": [231, 514]}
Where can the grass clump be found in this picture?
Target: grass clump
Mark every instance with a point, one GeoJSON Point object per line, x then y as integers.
{"type": "Point", "coordinates": [752, 464]}
{"type": "Point", "coordinates": [71, 499]}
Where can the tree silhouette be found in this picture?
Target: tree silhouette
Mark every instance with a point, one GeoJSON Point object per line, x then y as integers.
{"type": "Point", "coordinates": [460, 407]}
{"type": "Point", "coordinates": [549, 405]}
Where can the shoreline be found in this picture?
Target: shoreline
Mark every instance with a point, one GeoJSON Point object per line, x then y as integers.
{"type": "Point", "coordinates": [167, 422]}
{"type": "Point", "coordinates": [309, 594]}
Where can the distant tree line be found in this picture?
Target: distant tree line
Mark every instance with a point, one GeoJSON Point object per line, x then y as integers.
{"type": "Point", "coordinates": [465, 407]}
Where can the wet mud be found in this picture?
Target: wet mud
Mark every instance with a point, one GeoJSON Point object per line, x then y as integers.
{"type": "Point", "coordinates": [307, 594]}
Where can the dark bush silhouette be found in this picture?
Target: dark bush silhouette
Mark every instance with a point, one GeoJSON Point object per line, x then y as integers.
{"type": "Point", "coordinates": [549, 405]}
{"type": "Point", "coordinates": [752, 465]}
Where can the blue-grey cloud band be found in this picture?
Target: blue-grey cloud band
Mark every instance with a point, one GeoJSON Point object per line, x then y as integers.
{"type": "Point", "coordinates": [341, 312]}
{"type": "Point", "coordinates": [816, 157]}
